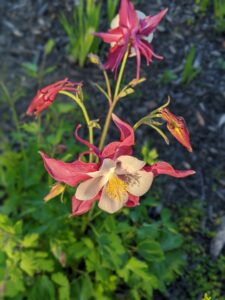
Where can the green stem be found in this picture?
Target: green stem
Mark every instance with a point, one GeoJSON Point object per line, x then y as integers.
{"type": "Point", "coordinates": [86, 117]}
{"type": "Point", "coordinates": [106, 126]}
{"type": "Point", "coordinates": [138, 124]}
{"type": "Point", "coordinates": [108, 86]}
{"type": "Point", "coordinates": [114, 102]}
{"type": "Point", "coordinates": [121, 73]}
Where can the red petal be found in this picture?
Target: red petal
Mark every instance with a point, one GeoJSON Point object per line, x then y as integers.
{"type": "Point", "coordinates": [124, 147]}
{"type": "Point", "coordinates": [69, 173]}
{"type": "Point", "coordinates": [132, 201]}
{"type": "Point", "coordinates": [115, 57]}
{"type": "Point", "coordinates": [88, 144]}
{"type": "Point", "coordinates": [112, 36]}
{"type": "Point", "coordinates": [81, 207]}
{"type": "Point", "coordinates": [149, 23]}
{"type": "Point", "coordinates": [138, 58]}
{"type": "Point", "coordinates": [126, 131]}
{"type": "Point", "coordinates": [128, 15]}
{"type": "Point", "coordinates": [163, 168]}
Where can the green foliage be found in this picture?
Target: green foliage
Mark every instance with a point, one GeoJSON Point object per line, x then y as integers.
{"type": "Point", "coordinates": [218, 9]}
{"type": "Point", "coordinates": [20, 257]}
{"type": "Point", "coordinates": [167, 77]}
{"type": "Point", "coordinates": [190, 72]}
{"type": "Point", "coordinates": [206, 297]}
{"type": "Point", "coordinates": [37, 71]}
{"type": "Point", "coordinates": [46, 254]}
{"type": "Point", "coordinates": [149, 155]}
{"type": "Point", "coordinates": [202, 274]}
{"type": "Point", "coordinates": [111, 9]}
{"type": "Point", "coordinates": [85, 21]}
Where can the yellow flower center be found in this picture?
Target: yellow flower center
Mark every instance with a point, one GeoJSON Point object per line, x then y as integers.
{"type": "Point", "coordinates": [116, 188]}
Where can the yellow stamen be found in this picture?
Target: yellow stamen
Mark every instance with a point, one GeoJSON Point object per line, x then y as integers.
{"type": "Point", "coordinates": [116, 188]}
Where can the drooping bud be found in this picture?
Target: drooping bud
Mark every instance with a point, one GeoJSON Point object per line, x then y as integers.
{"type": "Point", "coordinates": [177, 127]}
{"type": "Point", "coordinates": [57, 189]}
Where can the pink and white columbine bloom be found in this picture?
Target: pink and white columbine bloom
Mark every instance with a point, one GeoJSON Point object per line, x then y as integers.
{"type": "Point", "coordinates": [131, 29]}
{"type": "Point", "coordinates": [117, 180]}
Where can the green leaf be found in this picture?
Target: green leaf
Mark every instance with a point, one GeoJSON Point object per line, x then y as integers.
{"type": "Point", "coordinates": [31, 69]}
{"type": "Point", "coordinates": [111, 249]}
{"type": "Point", "coordinates": [139, 269]}
{"type": "Point", "coordinates": [170, 241]}
{"type": "Point", "coordinates": [43, 289]}
{"type": "Point", "coordinates": [150, 250]}
{"type": "Point", "coordinates": [30, 240]}
{"type": "Point", "coordinates": [148, 231]}
{"type": "Point", "coordinates": [14, 285]}
{"type": "Point", "coordinates": [28, 263]}
{"type": "Point", "coordinates": [49, 46]}
{"type": "Point", "coordinates": [86, 289]}
{"type": "Point", "coordinates": [31, 127]}
{"type": "Point", "coordinates": [49, 70]}
{"type": "Point", "coordinates": [64, 286]}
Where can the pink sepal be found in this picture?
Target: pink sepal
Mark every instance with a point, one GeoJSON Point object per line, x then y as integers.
{"type": "Point", "coordinates": [163, 168]}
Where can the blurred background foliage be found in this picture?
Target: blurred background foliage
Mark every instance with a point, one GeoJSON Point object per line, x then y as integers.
{"type": "Point", "coordinates": [141, 253]}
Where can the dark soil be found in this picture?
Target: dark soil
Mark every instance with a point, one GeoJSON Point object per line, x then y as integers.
{"type": "Point", "coordinates": [26, 26]}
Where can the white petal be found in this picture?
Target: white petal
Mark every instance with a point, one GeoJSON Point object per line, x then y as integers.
{"type": "Point", "coordinates": [109, 205]}
{"type": "Point", "coordinates": [129, 164]}
{"type": "Point", "coordinates": [139, 183]}
{"type": "Point", "coordinates": [140, 15]}
{"type": "Point", "coordinates": [88, 189]}
{"type": "Point", "coordinates": [107, 166]}
{"type": "Point", "coordinates": [115, 20]}
{"type": "Point", "coordinates": [150, 38]}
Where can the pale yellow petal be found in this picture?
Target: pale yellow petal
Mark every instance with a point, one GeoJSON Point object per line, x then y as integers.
{"type": "Point", "coordinates": [107, 166]}
{"type": "Point", "coordinates": [128, 164]}
{"type": "Point", "coordinates": [139, 183]}
{"type": "Point", "coordinates": [88, 189]}
{"type": "Point", "coordinates": [111, 205]}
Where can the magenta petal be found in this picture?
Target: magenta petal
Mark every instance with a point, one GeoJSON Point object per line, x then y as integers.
{"type": "Point", "coordinates": [115, 57]}
{"type": "Point", "coordinates": [69, 173]}
{"type": "Point", "coordinates": [138, 58]}
{"type": "Point", "coordinates": [163, 168]}
{"type": "Point", "coordinates": [128, 15]}
{"type": "Point", "coordinates": [81, 207]}
{"type": "Point", "coordinates": [149, 23]}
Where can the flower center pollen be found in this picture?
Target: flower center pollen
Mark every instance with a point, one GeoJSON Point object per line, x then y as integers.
{"type": "Point", "coordinates": [116, 188]}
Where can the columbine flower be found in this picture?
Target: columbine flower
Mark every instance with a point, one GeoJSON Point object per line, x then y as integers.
{"type": "Point", "coordinates": [178, 128]}
{"type": "Point", "coordinates": [117, 180]}
{"type": "Point", "coordinates": [46, 96]}
{"type": "Point", "coordinates": [131, 29]}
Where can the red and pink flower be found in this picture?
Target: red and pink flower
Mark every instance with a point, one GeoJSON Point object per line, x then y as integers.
{"type": "Point", "coordinates": [118, 179]}
{"type": "Point", "coordinates": [131, 30]}
{"type": "Point", "coordinates": [46, 96]}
